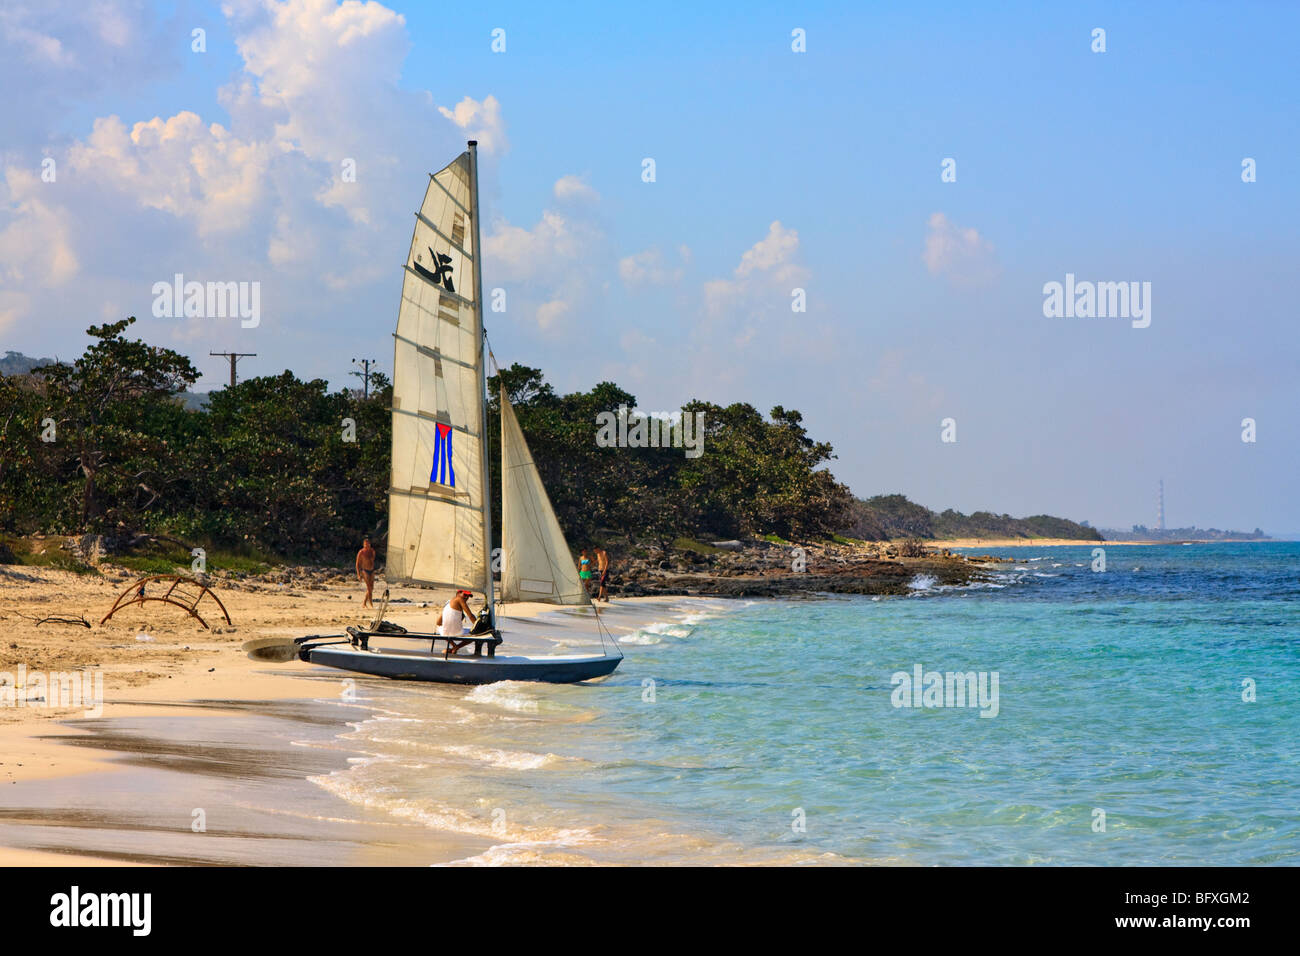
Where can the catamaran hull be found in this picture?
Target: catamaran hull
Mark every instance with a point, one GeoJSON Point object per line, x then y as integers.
{"type": "Point", "coordinates": [463, 670]}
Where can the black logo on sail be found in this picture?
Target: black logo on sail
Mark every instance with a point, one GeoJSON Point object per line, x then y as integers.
{"type": "Point", "coordinates": [440, 274]}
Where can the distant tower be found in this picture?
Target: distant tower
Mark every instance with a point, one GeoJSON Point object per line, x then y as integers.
{"type": "Point", "coordinates": [1160, 507]}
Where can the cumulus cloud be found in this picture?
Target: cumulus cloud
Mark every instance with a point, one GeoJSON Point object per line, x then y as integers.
{"type": "Point", "coordinates": [772, 254]}
{"type": "Point", "coordinates": [553, 265]}
{"type": "Point", "coordinates": [36, 251]}
{"type": "Point", "coordinates": [768, 269]}
{"type": "Point", "coordinates": [180, 166]}
{"type": "Point", "coordinates": [568, 188]}
{"type": "Point", "coordinates": [270, 194]}
{"type": "Point", "coordinates": [551, 312]}
{"type": "Point", "coordinates": [650, 268]}
{"type": "Point", "coordinates": [959, 253]}
{"type": "Point", "coordinates": [481, 121]}
{"type": "Point", "coordinates": [521, 254]}
{"type": "Point", "coordinates": [36, 247]}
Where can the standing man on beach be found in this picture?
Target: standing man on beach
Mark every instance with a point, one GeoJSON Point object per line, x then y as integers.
{"type": "Point", "coordinates": [602, 565]}
{"type": "Point", "coordinates": [366, 570]}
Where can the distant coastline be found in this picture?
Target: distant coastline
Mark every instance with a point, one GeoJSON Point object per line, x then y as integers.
{"type": "Point", "coordinates": [967, 543]}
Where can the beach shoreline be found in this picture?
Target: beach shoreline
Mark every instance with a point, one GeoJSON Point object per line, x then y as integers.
{"type": "Point", "coordinates": [170, 686]}
{"type": "Point", "coordinates": [968, 543]}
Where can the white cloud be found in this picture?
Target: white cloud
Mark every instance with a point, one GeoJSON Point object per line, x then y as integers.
{"type": "Point", "coordinates": [38, 47]}
{"type": "Point", "coordinates": [959, 253]}
{"type": "Point", "coordinates": [481, 121]}
{"type": "Point", "coordinates": [772, 254]}
{"type": "Point", "coordinates": [261, 197]}
{"type": "Point", "coordinates": [35, 246]}
{"type": "Point", "coordinates": [768, 269]}
{"type": "Point", "coordinates": [523, 254]}
{"type": "Point", "coordinates": [179, 166]}
{"type": "Point", "coordinates": [551, 312]}
{"type": "Point", "coordinates": [571, 187]}
{"type": "Point", "coordinates": [554, 267]}
{"type": "Point", "coordinates": [648, 268]}
{"type": "Point", "coordinates": [635, 341]}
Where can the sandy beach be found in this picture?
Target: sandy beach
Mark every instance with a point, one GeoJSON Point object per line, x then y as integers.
{"type": "Point", "coordinates": [189, 723]}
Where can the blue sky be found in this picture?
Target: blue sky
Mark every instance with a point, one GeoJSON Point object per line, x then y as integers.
{"type": "Point", "coordinates": [775, 170]}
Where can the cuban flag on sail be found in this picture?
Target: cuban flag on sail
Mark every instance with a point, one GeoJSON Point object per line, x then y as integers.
{"type": "Point", "coordinates": [442, 473]}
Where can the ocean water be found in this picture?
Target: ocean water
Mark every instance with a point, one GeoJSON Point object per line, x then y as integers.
{"type": "Point", "coordinates": [768, 731]}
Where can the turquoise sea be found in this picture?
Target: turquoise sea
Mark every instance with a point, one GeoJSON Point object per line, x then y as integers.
{"type": "Point", "coordinates": [767, 731]}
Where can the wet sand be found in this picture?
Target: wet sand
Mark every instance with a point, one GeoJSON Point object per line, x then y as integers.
{"type": "Point", "coordinates": [212, 783]}
{"type": "Point", "coordinates": [200, 755]}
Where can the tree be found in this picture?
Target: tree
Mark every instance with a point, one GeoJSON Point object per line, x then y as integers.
{"type": "Point", "coordinates": [113, 409]}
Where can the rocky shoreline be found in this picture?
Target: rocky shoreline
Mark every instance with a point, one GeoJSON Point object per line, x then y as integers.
{"type": "Point", "coordinates": [750, 568]}
{"type": "Point", "coordinates": [759, 568]}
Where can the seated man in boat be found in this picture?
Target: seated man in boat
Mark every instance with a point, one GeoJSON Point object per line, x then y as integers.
{"type": "Point", "coordinates": [454, 612]}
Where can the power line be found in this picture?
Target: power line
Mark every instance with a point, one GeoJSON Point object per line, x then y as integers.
{"type": "Point", "coordinates": [234, 358]}
{"type": "Point", "coordinates": [365, 377]}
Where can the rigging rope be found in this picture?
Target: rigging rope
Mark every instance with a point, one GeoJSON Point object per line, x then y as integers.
{"type": "Point", "coordinates": [602, 630]}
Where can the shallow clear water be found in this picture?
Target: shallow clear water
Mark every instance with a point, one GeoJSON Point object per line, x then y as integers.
{"type": "Point", "coordinates": [1119, 692]}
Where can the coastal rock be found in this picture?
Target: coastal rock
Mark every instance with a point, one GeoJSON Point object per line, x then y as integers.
{"type": "Point", "coordinates": [763, 569]}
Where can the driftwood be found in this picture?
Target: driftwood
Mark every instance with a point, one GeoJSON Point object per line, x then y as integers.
{"type": "Point", "coordinates": [180, 593]}
{"type": "Point", "coordinates": [55, 619]}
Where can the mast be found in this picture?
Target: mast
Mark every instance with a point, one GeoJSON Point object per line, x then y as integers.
{"type": "Point", "coordinates": [486, 475]}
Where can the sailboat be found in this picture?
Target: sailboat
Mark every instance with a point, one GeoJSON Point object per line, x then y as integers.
{"type": "Point", "coordinates": [439, 507]}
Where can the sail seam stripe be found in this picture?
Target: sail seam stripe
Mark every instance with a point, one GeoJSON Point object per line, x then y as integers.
{"type": "Point", "coordinates": [425, 350]}
{"type": "Point", "coordinates": [433, 177]}
{"type": "Point", "coordinates": [429, 418]}
{"type": "Point", "coordinates": [432, 584]}
{"type": "Point", "coordinates": [434, 497]}
{"type": "Point", "coordinates": [451, 295]}
{"type": "Point", "coordinates": [450, 241]}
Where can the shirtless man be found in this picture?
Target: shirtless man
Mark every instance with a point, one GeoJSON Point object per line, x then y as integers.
{"type": "Point", "coordinates": [602, 566]}
{"type": "Point", "coordinates": [366, 570]}
{"type": "Point", "coordinates": [454, 612]}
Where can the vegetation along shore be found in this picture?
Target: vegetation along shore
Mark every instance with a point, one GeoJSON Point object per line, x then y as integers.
{"type": "Point", "coordinates": [109, 459]}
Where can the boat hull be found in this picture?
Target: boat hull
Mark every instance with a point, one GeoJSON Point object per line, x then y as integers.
{"type": "Point", "coordinates": [462, 670]}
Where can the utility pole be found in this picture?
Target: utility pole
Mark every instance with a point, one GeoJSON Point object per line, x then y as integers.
{"type": "Point", "coordinates": [365, 375]}
{"type": "Point", "coordinates": [234, 358]}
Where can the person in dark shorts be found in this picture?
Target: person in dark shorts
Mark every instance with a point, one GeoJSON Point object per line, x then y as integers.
{"type": "Point", "coordinates": [602, 566]}
{"type": "Point", "coordinates": [366, 571]}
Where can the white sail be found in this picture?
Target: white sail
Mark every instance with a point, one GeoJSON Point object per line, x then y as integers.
{"type": "Point", "coordinates": [536, 564]}
{"type": "Point", "coordinates": [436, 504]}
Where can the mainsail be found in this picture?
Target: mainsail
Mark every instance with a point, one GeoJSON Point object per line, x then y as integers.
{"type": "Point", "coordinates": [536, 564]}
{"type": "Point", "coordinates": [437, 507]}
